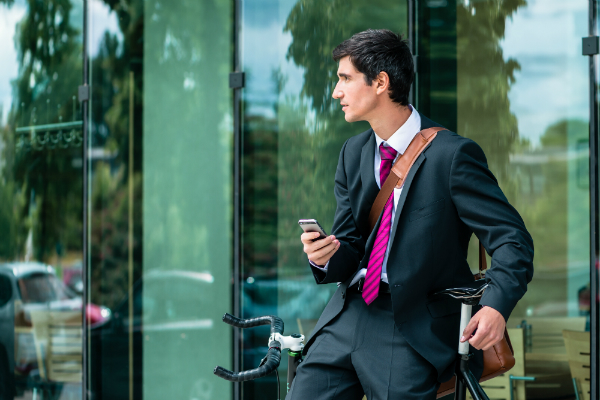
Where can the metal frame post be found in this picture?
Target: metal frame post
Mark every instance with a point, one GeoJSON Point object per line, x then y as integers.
{"type": "Point", "coordinates": [594, 245]}
{"type": "Point", "coordinates": [85, 250]}
{"type": "Point", "coordinates": [412, 42]}
{"type": "Point", "coordinates": [237, 195]}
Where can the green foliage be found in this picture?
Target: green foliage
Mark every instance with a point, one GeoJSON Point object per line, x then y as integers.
{"type": "Point", "coordinates": [46, 183]}
{"type": "Point", "coordinates": [109, 239]}
{"type": "Point", "coordinates": [483, 82]}
{"type": "Point", "coordinates": [317, 27]}
{"type": "Point", "coordinates": [558, 134]}
{"type": "Point", "coordinates": [552, 195]}
{"type": "Point", "coordinates": [484, 79]}
{"type": "Point", "coordinates": [12, 204]}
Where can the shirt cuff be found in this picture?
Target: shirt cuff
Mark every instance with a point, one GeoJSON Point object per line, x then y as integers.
{"type": "Point", "coordinates": [321, 267]}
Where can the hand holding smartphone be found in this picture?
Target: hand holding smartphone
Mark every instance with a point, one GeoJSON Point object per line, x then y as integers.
{"type": "Point", "coordinates": [312, 225]}
{"type": "Point", "coordinates": [318, 249]}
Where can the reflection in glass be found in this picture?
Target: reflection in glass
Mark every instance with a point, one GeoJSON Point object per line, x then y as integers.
{"type": "Point", "coordinates": [160, 206]}
{"type": "Point", "coordinates": [40, 197]}
{"type": "Point", "coordinates": [521, 94]}
{"type": "Point", "coordinates": [41, 288]}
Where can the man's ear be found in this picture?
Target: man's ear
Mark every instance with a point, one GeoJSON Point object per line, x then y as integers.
{"type": "Point", "coordinates": [382, 82]}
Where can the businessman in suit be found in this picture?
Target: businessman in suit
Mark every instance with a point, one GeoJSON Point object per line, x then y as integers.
{"type": "Point", "coordinates": [380, 334]}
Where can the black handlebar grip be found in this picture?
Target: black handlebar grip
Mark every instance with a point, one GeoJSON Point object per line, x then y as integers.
{"type": "Point", "coordinates": [276, 322]}
{"type": "Point", "coordinates": [273, 360]}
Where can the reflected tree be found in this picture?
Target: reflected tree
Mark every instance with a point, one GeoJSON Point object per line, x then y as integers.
{"type": "Point", "coordinates": [116, 80]}
{"type": "Point", "coordinates": [552, 186]}
{"type": "Point", "coordinates": [484, 79]}
{"type": "Point", "coordinates": [162, 40]}
{"type": "Point", "coordinates": [312, 125]}
{"type": "Point", "coordinates": [43, 184]}
{"type": "Point", "coordinates": [318, 27]}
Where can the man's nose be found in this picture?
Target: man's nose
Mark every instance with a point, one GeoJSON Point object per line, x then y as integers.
{"type": "Point", "coordinates": [336, 93]}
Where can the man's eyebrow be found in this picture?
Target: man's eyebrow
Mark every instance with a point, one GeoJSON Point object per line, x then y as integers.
{"type": "Point", "coordinates": [343, 75]}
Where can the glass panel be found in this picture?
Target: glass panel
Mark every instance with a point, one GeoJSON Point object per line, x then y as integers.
{"type": "Point", "coordinates": [40, 199]}
{"type": "Point", "coordinates": [521, 91]}
{"type": "Point", "coordinates": [161, 137]}
{"type": "Point", "coordinates": [292, 135]}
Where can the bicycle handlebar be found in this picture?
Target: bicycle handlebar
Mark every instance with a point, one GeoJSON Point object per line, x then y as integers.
{"type": "Point", "coordinates": [275, 321]}
{"type": "Point", "coordinates": [273, 357]}
{"type": "Point", "coordinates": [273, 360]}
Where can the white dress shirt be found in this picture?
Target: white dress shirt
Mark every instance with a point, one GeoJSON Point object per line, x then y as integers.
{"type": "Point", "coordinates": [399, 141]}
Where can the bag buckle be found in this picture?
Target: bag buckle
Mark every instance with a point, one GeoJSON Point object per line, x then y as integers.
{"type": "Point", "coordinates": [360, 284]}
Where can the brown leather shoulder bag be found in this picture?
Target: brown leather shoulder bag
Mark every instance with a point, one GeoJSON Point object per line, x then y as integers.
{"type": "Point", "coordinates": [499, 358]}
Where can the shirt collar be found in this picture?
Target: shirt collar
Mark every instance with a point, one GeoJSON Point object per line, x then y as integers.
{"type": "Point", "coordinates": [400, 140]}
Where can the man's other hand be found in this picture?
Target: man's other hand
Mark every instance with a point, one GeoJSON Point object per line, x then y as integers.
{"type": "Point", "coordinates": [319, 251]}
{"type": "Point", "coordinates": [490, 326]}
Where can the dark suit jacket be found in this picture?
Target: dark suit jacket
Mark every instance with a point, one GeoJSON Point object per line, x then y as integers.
{"type": "Point", "coordinates": [449, 194]}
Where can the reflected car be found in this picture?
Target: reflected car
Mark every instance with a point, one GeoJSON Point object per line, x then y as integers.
{"type": "Point", "coordinates": [171, 322]}
{"type": "Point", "coordinates": [73, 277]}
{"type": "Point", "coordinates": [27, 287]}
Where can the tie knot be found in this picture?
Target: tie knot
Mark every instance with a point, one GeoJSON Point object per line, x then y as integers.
{"type": "Point", "coordinates": [387, 153]}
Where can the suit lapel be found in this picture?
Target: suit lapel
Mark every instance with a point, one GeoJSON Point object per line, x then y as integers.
{"type": "Point", "coordinates": [425, 123]}
{"type": "Point", "coordinates": [405, 190]}
{"type": "Point", "coordinates": [367, 174]}
{"type": "Point", "coordinates": [367, 161]}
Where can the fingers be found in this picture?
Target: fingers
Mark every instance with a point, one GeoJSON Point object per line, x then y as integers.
{"type": "Point", "coordinates": [312, 245]}
{"type": "Point", "coordinates": [468, 331]}
{"type": "Point", "coordinates": [489, 325]}
{"type": "Point", "coordinates": [485, 337]}
{"type": "Point", "coordinates": [319, 251]}
{"type": "Point", "coordinates": [309, 237]}
{"type": "Point", "coordinates": [325, 258]}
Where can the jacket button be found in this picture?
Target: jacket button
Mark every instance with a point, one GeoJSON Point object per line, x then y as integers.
{"type": "Point", "coordinates": [343, 295]}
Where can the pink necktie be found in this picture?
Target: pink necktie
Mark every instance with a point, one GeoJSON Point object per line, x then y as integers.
{"type": "Point", "coordinates": [373, 277]}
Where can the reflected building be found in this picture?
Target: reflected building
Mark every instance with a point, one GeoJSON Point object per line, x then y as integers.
{"type": "Point", "coordinates": [162, 194]}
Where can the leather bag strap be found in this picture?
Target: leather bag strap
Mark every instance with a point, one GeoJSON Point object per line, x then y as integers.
{"type": "Point", "coordinates": [400, 171]}
{"type": "Point", "coordinates": [482, 260]}
{"type": "Point", "coordinates": [398, 174]}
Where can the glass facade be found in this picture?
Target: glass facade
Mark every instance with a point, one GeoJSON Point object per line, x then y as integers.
{"type": "Point", "coordinates": [158, 273]}
{"type": "Point", "coordinates": [41, 183]}
{"type": "Point", "coordinates": [160, 216]}
{"type": "Point", "coordinates": [513, 79]}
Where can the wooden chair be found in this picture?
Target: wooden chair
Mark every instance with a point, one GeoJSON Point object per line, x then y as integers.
{"type": "Point", "coordinates": [546, 355]}
{"type": "Point", "coordinates": [500, 388]}
{"type": "Point", "coordinates": [578, 353]}
{"type": "Point", "coordinates": [58, 344]}
{"type": "Point", "coordinates": [546, 342]}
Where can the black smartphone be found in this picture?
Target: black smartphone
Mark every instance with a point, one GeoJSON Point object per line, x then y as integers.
{"type": "Point", "coordinates": [312, 225]}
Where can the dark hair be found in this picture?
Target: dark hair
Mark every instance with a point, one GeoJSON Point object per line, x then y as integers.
{"type": "Point", "coordinates": [376, 50]}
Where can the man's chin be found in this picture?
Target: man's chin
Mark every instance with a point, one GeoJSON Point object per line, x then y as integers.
{"type": "Point", "coordinates": [349, 118]}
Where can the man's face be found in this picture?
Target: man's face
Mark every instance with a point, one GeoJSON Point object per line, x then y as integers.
{"type": "Point", "coordinates": [358, 100]}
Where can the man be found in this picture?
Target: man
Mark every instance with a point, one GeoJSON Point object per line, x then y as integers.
{"type": "Point", "coordinates": [386, 339]}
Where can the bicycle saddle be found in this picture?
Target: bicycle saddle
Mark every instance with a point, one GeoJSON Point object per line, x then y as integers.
{"type": "Point", "coordinates": [471, 291]}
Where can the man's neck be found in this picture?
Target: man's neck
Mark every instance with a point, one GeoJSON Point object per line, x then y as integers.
{"type": "Point", "coordinates": [389, 120]}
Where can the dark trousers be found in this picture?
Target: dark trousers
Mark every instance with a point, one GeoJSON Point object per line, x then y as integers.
{"type": "Point", "coordinates": [362, 352]}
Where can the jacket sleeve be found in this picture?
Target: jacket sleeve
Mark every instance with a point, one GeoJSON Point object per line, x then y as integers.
{"type": "Point", "coordinates": [482, 206]}
{"type": "Point", "coordinates": [344, 262]}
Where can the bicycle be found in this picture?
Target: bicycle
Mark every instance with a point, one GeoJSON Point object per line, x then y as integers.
{"type": "Point", "coordinates": [465, 380]}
